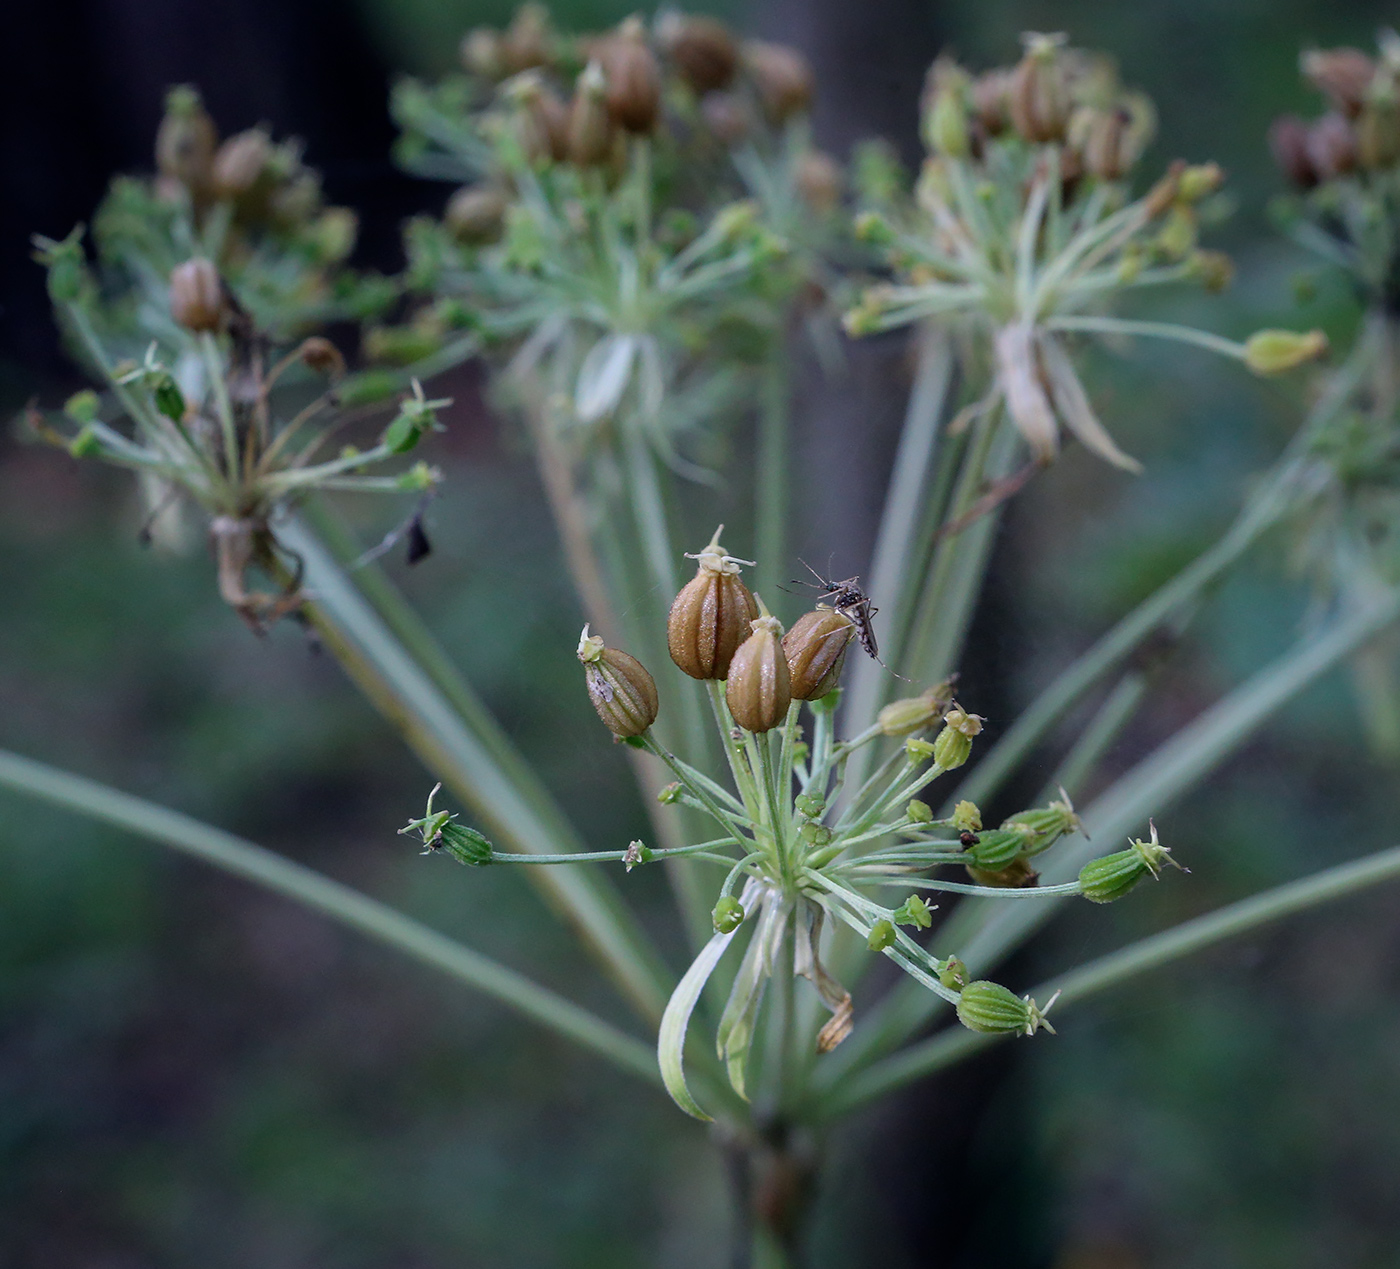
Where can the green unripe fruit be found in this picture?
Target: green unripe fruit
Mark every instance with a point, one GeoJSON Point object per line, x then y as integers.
{"type": "Point", "coordinates": [996, 849]}
{"type": "Point", "coordinates": [918, 812]}
{"type": "Point", "coordinates": [728, 915]}
{"type": "Point", "coordinates": [465, 845]}
{"type": "Point", "coordinates": [882, 935]}
{"type": "Point", "coordinates": [953, 975]}
{"type": "Point", "coordinates": [1104, 880]}
{"type": "Point", "coordinates": [913, 911]}
{"type": "Point", "coordinates": [993, 1009]}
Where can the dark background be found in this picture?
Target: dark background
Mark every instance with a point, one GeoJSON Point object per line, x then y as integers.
{"type": "Point", "coordinates": [195, 1074]}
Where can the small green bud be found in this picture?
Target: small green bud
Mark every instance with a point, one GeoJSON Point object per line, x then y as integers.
{"type": "Point", "coordinates": [990, 1007]}
{"type": "Point", "coordinates": [169, 399]}
{"type": "Point", "coordinates": [815, 834]}
{"type": "Point", "coordinates": [728, 915]}
{"type": "Point", "coordinates": [872, 227]}
{"type": "Point", "coordinates": [953, 974]}
{"type": "Point", "coordinates": [670, 794]}
{"type": "Point", "coordinates": [637, 853]}
{"type": "Point", "coordinates": [84, 443]}
{"type": "Point", "coordinates": [918, 812]}
{"type": "Point", "coordinates": [402, 434]}
{"type": "Point", "coordinates": [416, 415]}
{"type": "Point", "coordinates": [951, 749]}
{"type": "Point", "coordinates": [882, 935]}
{"type": "Point", "coordinates": [946, 123]}
{"type": "Point", "coordinates": [918, 751]}
{"type": "Point", "coordinates": [1198, 181]}
{"type": "Point", "coordinates": [439, 831]}
{"type": "Point", "coordinates": [1270, 352]}
{"type": "Point", "coordinates": [967, 818]}
{"type": "Point", "coordinates": [914, 713]}
{"type": "Point", "coordinates": [1045, 825]}
{"type": "Point", "coordinates": [418, 478]}
{"type": "Point", "coordinates": [82, 407]}
{"type": "Point", "coordinates": [913, 911]}
{"type": "Point", "coordinates": [810, 804]}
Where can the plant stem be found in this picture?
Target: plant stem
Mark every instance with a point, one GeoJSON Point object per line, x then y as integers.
{"type": "Point", "coordinates": [982, 936]}
{"type": "Point", "coordinates": [332, 899]}
{"type": "Point", "coordinates": [956, 1043]}
{"type": "Point", "coordinates": [507, 796]}
{"type": "Point", "coordinates": [774, 476]}
{"type": "Point", "coordinates": [895, 553]}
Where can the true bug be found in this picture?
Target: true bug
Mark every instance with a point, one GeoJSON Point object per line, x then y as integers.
{"type": "Point", "coordinates": [850, 601]}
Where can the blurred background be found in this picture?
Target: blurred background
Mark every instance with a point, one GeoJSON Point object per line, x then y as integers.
{"type": "Point", "coordinates": [193, 1073]}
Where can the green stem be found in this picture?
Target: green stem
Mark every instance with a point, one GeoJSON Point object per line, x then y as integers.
{"type": "Point", "coordinates": [895, 552]}
{"type": "Point", "coordinates": [331, 898]}
{"type": "Point", "coordinates": [955, 1043]}
{"type": "Point", "coordinates": [1155, 330]}
{"type": "Point", "coordinates": [982, 936]}
{"type": "Point", "coordinates": [465, 753]}
{"type": "Point", "coordinates": [774, 476]}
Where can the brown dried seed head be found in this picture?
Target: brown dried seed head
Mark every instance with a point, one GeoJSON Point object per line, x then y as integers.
{"type": "Point", "coordinates": [527, 40]}
{"type": "Point", "coordinates": [759, 690]}
{"type": "Point", "coordinates": [725, 116]}
{"type": "Point", "coordinates": [1343, 74]}
{"type": "Point", "coordinates": [633, 77]}
{"type": "Point", "coordinates": [322, 356]}
{"type": "Point", "coordinates": [1039, 99]}
{"type": "Point", "coordinates": [1378, 133]}
{"type": "Point", "coordinates": [1332, 146]}
{"type": "Point", "coordinates": [186, 139]}
{"type": "Point", "coordinates": [476, 213]}
{"type": "Point", "coordinates": [702, 48]}
{"type": "Point", "coordinates": [1105, 140]}
{"type": "Point", "coordinates": [590, 124]}
{"type": "Point", "coordinates": [1288, 143]}
{"type": "Point", "coordinates": [990, 101]}
{"type": "Point", "coordinates": [483, 53]}
{"type": "Point", "coordinates": [196, 295]}
{"type": "Point", "coordinates": [782, 77]}
{"type": "Point", "coordinates": [240, 163]}
{"type": "Point", "coordinates": [815, 648]}
{"type": "Point", "coordinates": [817, 177]}
{"type": "Point", "coordinates": [710, 617]}
{"type": "Point", "coordinates": [621, 689]}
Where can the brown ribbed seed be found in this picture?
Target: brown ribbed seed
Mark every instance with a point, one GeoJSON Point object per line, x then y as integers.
{"type": "Point", "coordinates": [633, 78]}
{"type": "Point", "coordinates": [759, 690]}
{"type": "Point", "coordinates": [702, 48]}
{"type": "Point", "coordinates": [196, 295]}
{"type": "Point", "coordinates": [710, 617]}
{"type": "Point", "coordinates": [1038, 99]}
{"type": "Point", "coordinates": [621, 689]}
{"type": "Point", "coordinates": [815, 648]}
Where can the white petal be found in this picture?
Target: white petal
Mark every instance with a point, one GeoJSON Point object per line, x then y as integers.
{"type": "Point", "coordinates": [1025, 397]}
{"type": "Point", "coordinates": [603, 377]}
{"type": "Point", "coordinates": [1073, 405]}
